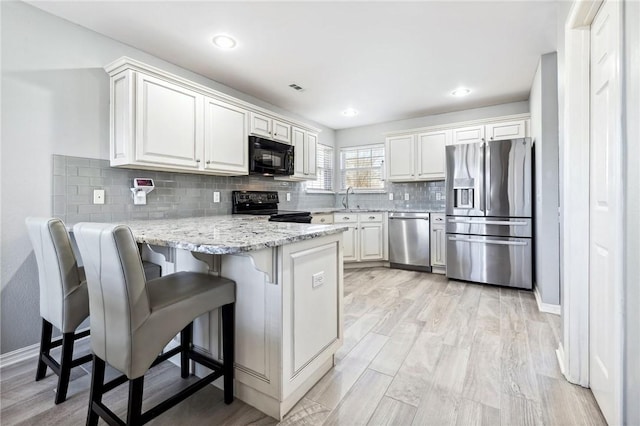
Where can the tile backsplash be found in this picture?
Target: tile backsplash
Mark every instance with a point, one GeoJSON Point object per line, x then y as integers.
{"type": "Point", "coordinates": [190, 195]}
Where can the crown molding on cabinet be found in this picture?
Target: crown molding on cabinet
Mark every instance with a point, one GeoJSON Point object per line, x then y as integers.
{"type": "Point", "coordinates": [449, 126]}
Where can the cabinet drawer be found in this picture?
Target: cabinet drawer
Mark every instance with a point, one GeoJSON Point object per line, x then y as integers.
{"type": "Point", "coordinates": [370, 217]}
{"type": "Point", "coordinates": [345, 218]}
{"type": "Point", "coordinates": [437, 218]}
{"type": "Point", "coordinates": [325, 219]}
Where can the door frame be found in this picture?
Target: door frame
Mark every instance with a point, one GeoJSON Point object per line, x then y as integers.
{"type": "Point", "coordinates": [573, 350]}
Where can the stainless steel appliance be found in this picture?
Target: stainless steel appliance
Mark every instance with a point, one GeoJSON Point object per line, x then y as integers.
{"type": "Point", "coordinates": [267, 157]}
{"type": "Point", "coordinates": [409, 241]}
{"type": "Point", "coordinates": [489, 203]}
{"type": "Point", "coordinates": [265, 203]}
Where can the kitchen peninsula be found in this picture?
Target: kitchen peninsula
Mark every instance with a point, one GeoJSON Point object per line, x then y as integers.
{"type": "Point", "coordinates": [289, 281]}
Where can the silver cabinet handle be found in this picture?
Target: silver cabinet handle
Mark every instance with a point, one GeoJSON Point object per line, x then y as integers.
{"type": "Point", "coordinates": [198, 160]}
{"type": "Point", "coordinates": [346, 218]}
{"type": "Point", "coordinates": [487, 222]}
{"type": "Point", "coordinates": [372, 217]}
{"type": "Point", "coordinates": [208, 161]}
{"type": "Point", "coordinates": [496, 242]}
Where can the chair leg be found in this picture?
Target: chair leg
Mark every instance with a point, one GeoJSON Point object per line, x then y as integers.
{"type": "Point", "coordinates": [228, 344]}
{"type": "Point", "coordinates": [134, 410]}
{"type": "Point", "coordinates": [186, 337]}
{"type": "Point", "coordinates": [96, 391]}
{"type": "Point", "coordinates": [45, 347]}
{"type": "Point", "coordinates": [65, 366]}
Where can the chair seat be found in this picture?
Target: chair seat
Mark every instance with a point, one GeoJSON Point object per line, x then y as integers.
{"type": "Point", "coordinates": [180, 287]}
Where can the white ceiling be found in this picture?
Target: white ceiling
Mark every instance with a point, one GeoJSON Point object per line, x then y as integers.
{"type": "Point", "coordinates": [389, 60]}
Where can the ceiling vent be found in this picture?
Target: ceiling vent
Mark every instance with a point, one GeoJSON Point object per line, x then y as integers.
{"type": "Point", "coordinates": [296, 87]}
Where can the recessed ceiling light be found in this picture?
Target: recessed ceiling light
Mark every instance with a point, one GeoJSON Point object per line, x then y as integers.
{"type": "Point", "coordinates": [224, 42]}
{"type": "Point", "coordinates": [350, 112]}
{"type": "Point", "coordinates": [461, 91]}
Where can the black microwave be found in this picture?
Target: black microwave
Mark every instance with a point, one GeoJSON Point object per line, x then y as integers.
{"type": "Point", "coordinates": [267, 157]}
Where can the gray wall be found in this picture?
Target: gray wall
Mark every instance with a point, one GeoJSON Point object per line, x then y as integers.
{"type": "Point", "coordinates": [543, 101]}
{"type": "Point", "coordinates": [375, 133]}
{"type": "Point", "coordinates": [55, 98]}
{"type": "Point", "coordinates": [631, 126]}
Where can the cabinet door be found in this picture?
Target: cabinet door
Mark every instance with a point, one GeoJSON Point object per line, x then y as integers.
{"type": "Point", "coordinates": [431, 156]}
{"type": "Point", "coordinates": [438, 245]}
{"type": "Point", "coordinates": [371, 238]}
{"type": "Point", "coordinates": [299, 152]}
{"type": "Point", "coordinates": [281, 131]}
{"type": "Point", "coordinates": [260, 125]}
{"type": "Point", "coordinates": [471, 134]}
{"type": "Point", "coordinates": [225, 136]}
{"type": "Point", "coordinates": [169, 127]}
{"type": "Point", "coordinates": [311, 157]}
{"type": "Point", "coordinates": [400, 158]}
{"type": "Point", "coordinates": [506, 130]}
{"type": "Point", "coordinates": [350, 244]}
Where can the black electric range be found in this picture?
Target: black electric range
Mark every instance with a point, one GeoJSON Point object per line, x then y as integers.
{"type": "Point", "coordinates": [265, 203]}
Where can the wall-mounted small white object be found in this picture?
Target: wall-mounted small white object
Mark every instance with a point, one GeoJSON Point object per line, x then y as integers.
{"type": "Point", "coordinates": [406, 196]}
{"type": "Point", "coordinates": [288, 196]}
{"type": "Point", "coordinates": [98, 196]}
{"type": "Point", "coordinates": [141, 187]}
{"type": "Point", "coordinates": [216, 197]}
{"type": "Point", "coordinates": [391, 196]}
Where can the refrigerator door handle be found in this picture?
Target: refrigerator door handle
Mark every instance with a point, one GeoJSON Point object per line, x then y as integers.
{"type": "Point", "coordinates": [487, 177]}
{"type": "Point", "coordinates": [482, 189]}
{"type": "Point", "coordinates": [497, 242]}
{"type": "Point", "coordinates": [487, 222]}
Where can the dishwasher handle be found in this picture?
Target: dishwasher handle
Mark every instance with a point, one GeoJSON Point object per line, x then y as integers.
{"type": "Point", "coordinates": [409, 218]}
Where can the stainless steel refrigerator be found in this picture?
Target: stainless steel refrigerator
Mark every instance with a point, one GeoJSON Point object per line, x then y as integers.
{"type": "Point", "coordinates": [489, 225]}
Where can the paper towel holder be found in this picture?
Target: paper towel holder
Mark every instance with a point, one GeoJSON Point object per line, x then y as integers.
{"type": "Point", "coordinates": [141, 187]}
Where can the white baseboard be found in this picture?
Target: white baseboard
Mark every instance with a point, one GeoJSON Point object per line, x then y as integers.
{"type": "Point", "coordinates": [27, 352]}
{"type": "Point", "coordinates": [546, 307]}
{"type": "Point", "coordinates": [18, 355]}
{"type": "Point", "coordinates": [560, 356]}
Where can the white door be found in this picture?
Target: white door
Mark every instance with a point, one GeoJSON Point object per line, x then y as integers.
{"type": "Point", "coordinates": [506, 130]}
{"type": "Point", "coordinates": [400, 158]}
{"type": "Point", "coordinates": [371, 247]}
{"type": "Point", "coordinates": [225, 136]}
{"type": "Point", "coordinates": [168, 123]}
{"type": "Point", "coordinates": [605, 266]}
{"type": "Point", "coordinates": [431, 156]}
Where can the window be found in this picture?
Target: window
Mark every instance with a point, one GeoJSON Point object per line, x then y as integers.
{"type": "Point", "coordinates": [324, 170]}
{"type": "Point", "coordinates": [362, 167]}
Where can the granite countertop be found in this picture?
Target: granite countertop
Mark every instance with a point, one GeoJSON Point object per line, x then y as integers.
{"type": "Point", "coordinates": [225, 234]}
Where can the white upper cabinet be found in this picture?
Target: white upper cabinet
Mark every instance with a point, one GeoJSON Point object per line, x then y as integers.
{"type": "Point", "coordinates": [431, 158]}
{"type": "Point", "coordinates": [160, 121]}
{"type": "Point", "coordinates": [166, 123]}
{"type": "Point", "coordinates": [225, 137]}
{"type": "Point", "coordinates": [304, 155]}
{"type": "Point", "coordinates": [417, 157]}
{"type": "Point", "coordinates": [491, 131]}
{"type": "Point", "coordinates": [400, 158]}
{"type": "Point", "coordinates": [471, 134]}
{"type": "Point", "coordinates": [267, 127]}
{"type": "Point", "coordinates": [506, 130]}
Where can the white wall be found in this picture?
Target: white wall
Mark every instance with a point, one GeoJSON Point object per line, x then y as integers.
{"type": "Point", "coordinates": [55, 100]}
{"type": "Point", "coordinates": [543, 101]}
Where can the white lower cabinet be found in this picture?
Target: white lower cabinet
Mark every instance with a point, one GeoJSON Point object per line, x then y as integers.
{"type": "Point", "coordinates": [438, 242]}
{"type": "Point", "coordinates": [366, 239]}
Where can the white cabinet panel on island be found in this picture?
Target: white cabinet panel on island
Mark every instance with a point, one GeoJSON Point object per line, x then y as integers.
{"type": "Point", "coordinates": [289, 289]}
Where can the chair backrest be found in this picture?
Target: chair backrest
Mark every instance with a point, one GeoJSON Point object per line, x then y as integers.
{"type": "Point", "coordinates": [58, 273]}
{"type": "Point", "coordinates": [118, 298]}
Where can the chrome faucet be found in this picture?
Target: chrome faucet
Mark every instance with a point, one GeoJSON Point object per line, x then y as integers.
{"type": "Point", "coordinates": [345, 200]}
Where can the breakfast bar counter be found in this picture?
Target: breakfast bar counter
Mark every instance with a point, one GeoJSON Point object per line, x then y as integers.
{"type": "Point", "coordinates": [289, 287]}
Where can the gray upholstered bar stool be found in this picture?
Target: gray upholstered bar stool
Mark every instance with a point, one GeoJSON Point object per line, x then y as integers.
{"type": "Point", "coordinates": [132, 320]}
{"type": "Point", "coordinates": [64, 302]}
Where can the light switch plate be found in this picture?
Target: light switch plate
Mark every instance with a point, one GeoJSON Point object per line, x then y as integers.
{"type": "Point", "coordinates": [406, 197]}
{"type": "Point", "coordinates": [98, 196]}
{"type": "Point", "coordinates": [216, 197]}
{"type": "Point", "coordinates": [288, 196]}
{"type": "Point", "coordinates": [391, 196]}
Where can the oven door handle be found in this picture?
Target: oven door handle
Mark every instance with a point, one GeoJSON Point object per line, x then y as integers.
{"type": "Point", "coordinates": [496, 242]}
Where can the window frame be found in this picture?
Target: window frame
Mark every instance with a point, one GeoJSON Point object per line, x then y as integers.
{"type": "Point", "coordinates": [342, 183]}
{"type": "Point", "coordinates": [331, 156]}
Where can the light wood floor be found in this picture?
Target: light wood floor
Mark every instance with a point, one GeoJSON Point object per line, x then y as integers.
{"type": "Point", "coordinates": [418, 349]}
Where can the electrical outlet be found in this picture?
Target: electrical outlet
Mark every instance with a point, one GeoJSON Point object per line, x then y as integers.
{"type": "Point", "coordinates": [98, 196]}
{"type": "Point", "coordinates": [317, 279]}
{"type": "Point", "coordinates": [438, 196]}
{"type": "Point", "coordinates": [216, 197]}
{"type": "Point", "coordinates": [391, 196]}
{"type": "Point", "coordinates": [406, 196]}
{"type": "Point", "coordinates": [288, 196]}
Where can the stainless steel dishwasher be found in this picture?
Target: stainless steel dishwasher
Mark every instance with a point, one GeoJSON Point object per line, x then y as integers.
{"type": "Point", "coordinates": [409, 241]}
